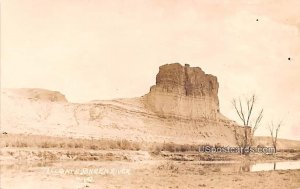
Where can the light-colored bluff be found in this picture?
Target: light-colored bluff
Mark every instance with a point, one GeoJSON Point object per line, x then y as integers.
{"type": "Point", "coordinates": [182, 107]}
{"type": "Point", "coordinates": [184, 91]}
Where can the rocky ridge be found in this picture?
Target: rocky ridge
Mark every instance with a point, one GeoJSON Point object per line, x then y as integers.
{"type": "Point", "coordinates": [182, 107]}
{"type": "Point", "coordinates": [184, 91]}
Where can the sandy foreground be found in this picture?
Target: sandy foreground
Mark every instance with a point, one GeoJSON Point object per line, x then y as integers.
{"type": "Point", "coordinates": [39, 168]}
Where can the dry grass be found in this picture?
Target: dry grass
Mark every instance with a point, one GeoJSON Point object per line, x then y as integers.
{"type": "Point", "coordinates": [172, 147]}
{"type": "Point", "coordinates": [37, 141]}
{"type": "Point", "coordinates": [289, 150]}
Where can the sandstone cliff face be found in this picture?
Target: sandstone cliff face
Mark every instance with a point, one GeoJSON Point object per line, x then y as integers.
{"type": "Point", "coordinates": [184, 91]}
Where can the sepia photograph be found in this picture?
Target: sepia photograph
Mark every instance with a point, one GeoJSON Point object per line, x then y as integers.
{"type": "Point", "coordinates": [130, 94]}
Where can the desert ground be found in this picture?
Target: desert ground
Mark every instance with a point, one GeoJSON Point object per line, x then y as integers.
{"type": "Point", "coordinates": [31, 161]}
{"type": "Point", "coordinates": [158, 140]}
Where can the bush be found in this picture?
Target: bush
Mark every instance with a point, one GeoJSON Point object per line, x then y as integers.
{"type": "Point", "coordinates": [94, 147]}
{"type": "Point", "coordinates": [78, 145]}
{"type": "Point", "coordinates": [169, 147]}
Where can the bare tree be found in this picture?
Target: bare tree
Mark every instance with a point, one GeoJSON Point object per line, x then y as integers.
{"type": "Point", "coordinates": [245, 112]}
{"type": "Point", "coordinates": [274, 130]}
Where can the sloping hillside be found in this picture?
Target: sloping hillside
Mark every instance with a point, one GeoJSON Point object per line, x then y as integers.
{"type": "Point", "coordinates": [182, 108]}
{"type": "Point", "coordinates": [116, 119]}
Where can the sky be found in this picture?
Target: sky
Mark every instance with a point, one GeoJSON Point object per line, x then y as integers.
{"type": "Point", "coordinates": [101, 49]}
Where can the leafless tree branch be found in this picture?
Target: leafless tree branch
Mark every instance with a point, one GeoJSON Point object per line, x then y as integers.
{"type": "Point", "coordinates": [274, 130]}
{"type": "Point", "coordinates": [246, 116]}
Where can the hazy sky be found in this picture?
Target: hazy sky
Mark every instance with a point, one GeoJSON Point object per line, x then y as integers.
{"type": "Point", "coordinates": [93, 49]}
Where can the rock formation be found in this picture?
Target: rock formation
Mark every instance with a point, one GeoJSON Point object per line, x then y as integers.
{"type": "Point", "coordinates": [182, 107]}
{"type": "Point", "coordinates": [35, 94]}
{"type": "Point", "coordinates": [184, 91]}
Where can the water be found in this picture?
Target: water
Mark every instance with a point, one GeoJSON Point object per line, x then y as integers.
{"type": "Point", "coordinates": [275, 166]}
{"type": "Point", "coordinates": [224, 166]}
